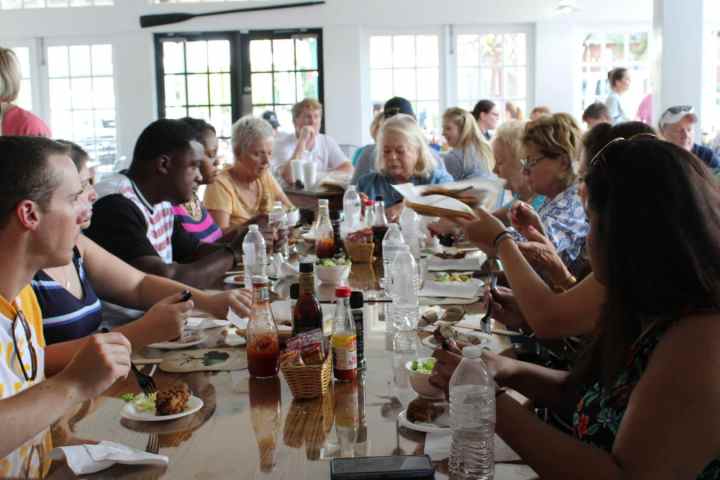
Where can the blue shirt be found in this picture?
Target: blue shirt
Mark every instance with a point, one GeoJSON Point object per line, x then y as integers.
{"type": "Point", "coordinates": [706, 155]}
{"type": "Point", "coordinates": [375, 183]}
{"type": "Point", "coordinates": [365, 162]}
{"type": "Point", "coordinates": [66, 317]}
{"type": "Point", "coordinates": [462, 164]}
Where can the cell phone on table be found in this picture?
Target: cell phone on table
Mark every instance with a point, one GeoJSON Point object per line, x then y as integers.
{"type": "Point", "coordinates": [401, 467]}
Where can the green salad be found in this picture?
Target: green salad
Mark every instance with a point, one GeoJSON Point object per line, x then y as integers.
{"type": "Point", "coordinates": [334, 262]}
{"type": "Point", "coordinates": [423, 366]}
{"type": "Point", "coordinates": [142, 402]}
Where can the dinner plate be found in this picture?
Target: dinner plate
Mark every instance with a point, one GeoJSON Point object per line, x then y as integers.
{"type": "Point", "coordinates": [199, 323]}
{"type": "Point", "coordinates": [178, 345]}
{"type": "Point", "coordinates": [430, 341]}
{"type": "Point", "coordinates": [422, 426]}
{"type": "Point", "coordinates": [130, 412]}
{"type": "Point", "coordinates": [235, 280]}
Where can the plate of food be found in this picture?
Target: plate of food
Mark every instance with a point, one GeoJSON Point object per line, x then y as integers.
{"type": "Point", "coordinates": [426, 415]}
{"type": "Point", "coordinates": [461, 338]}
{"type": "Point", "coordinates": [452, 277]}
{"type": "Point", "coordinates": [184, 342]}
{"type": "Point", "coordinates": [169, 404]}
{"type": "Point", "coordinates": [200, 323]}
{"type": "Point", "coordinates": [235, 280]}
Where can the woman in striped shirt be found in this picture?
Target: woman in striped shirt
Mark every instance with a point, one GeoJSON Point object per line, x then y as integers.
{"type": "Point", "coordinates": [192, 216]}
{"type": "Point", "coordinates": [71, 309]}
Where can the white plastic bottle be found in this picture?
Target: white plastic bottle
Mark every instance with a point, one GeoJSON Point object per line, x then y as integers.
{"type": "Point", "coordinates": [279, 223]}
{"type": "Point", "coordinates": [472, 418]}
{"type": "Point", "coordinates": [254, 254]}
{"type": "Point", "coordinates": [352, 207]}
{"type": "Point", "coordinates": [391, 245]}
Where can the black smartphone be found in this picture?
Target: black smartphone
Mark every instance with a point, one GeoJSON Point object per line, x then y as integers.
{"type": "Point", "coordinates": [186, 295]}
{"type": "Point", "coordinates": [401, 467]}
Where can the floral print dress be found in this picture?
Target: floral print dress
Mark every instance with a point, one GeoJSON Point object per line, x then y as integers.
{"type": "Point", "coordinates": [599, 412]}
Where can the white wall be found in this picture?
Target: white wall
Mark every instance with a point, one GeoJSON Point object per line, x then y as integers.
{"type": "Point", "coordinates": [346, 24]}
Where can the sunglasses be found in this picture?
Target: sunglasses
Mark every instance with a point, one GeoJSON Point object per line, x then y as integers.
{"type": "Point", "coordinates": [600, 155]}
{"type": "Point", "coordinates": [21, 321]}
{"type": "Point", "coordinates": [680, 109]}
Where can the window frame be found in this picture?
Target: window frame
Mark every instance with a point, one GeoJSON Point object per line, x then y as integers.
{"type": "Point", "coordinates": [38, 106]}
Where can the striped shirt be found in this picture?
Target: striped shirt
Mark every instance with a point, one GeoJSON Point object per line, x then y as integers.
{"type": "Point", "coordinates": [66, 317]}
{"type": "Point", "coordinates": [159, 217]}
{"type": "Point", "coordinates": [205, 229]}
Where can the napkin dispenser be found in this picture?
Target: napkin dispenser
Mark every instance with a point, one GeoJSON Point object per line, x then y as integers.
{"type": "Point", "coordinates": [401, 467]}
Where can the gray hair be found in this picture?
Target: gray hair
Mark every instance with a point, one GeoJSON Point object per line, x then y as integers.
{"type": "Point", "coordinates": [407, 127]}
{"type": "Point", "coordinates": [9, 76]}
{"type": "Point", "coordinates": [249, 130]}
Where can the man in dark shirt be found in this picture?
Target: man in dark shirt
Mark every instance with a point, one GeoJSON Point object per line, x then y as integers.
{"type": "Point", "coordinates": [133, 218]}
{"type": "Point", "coordinates": [677, 125]}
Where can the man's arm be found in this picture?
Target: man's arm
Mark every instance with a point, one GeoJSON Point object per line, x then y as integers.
{"type": "Point", "coordinates": [202, 273]}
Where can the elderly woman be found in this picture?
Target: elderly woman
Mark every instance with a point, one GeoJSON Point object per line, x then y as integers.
{"type": "Point", "coordinates": [13, 119]}
{"type": "Point", "coordinates": [654, 339]}
{"type": "Point", "coordinates": [471, 154]}
{"type": "Point", "coordinates": [308, 143]}
{"type": "Point", "coordinates": [246, 189]}
{"type": "Point", "coordinates": [403, 156]}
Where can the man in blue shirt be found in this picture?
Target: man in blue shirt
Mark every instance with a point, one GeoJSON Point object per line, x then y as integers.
{"type": "Point", "coordinates": [677, 125]}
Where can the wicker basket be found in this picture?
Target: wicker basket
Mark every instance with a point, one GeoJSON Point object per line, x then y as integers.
{"type": "Point", "coordinates": [309, 381]}
{"type": "Point", "coordinates": [360, 252]}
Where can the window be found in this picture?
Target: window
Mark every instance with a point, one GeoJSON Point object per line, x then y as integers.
{"type": "Point", "coordinates": [19, 4]}
{"type": "Point", "coordinates": [283, 71]}
{"type": "Point", "coordinates": [407, 66]}
{"type": "Point", "coordinates": [601, 52]}
{"type": "Point", "coordinates": [714, 121]}
{"type": "Point", "coordinates": [24, 100]}
{"type": "Point", "coordinates": [492, 66]}
{"type": "Point", "coordinates": [82, 98]}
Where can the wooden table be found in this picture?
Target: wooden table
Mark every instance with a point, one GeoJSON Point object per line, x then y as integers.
{"type": "Point", "coordinates": [251, 429]}
{"type": "Point", "coordinates": [308, 199]}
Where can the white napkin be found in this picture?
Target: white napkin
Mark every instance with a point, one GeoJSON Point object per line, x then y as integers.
{"type": "Point", "coordinates": [85, 459]}
{"type": "Point", "coordinates": [200, 323]}
{"type": "Point", "coordinates": [437, 446]}
{"type": "Point", "coordinates": [235, 319]}
{"type": "Point", "coordinates": [469, 290]}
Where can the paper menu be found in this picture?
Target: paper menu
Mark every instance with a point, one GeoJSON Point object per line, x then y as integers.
{"type": "Point", "coordinates": [487, 191]}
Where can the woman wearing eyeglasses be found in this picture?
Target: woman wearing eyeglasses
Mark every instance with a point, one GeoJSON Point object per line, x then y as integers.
{"type": "Point", "coordinates": [644, 398]}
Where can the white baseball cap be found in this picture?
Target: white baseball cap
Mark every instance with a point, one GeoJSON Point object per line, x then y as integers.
{"type": "Point", "coordinates": [674, 114]}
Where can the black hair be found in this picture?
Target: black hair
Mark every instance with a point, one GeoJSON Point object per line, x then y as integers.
{"type": "Point", "coordinates": [25, 173]}
{"type": "Point", "coordinates": [161, 137]}
{"type": "Point", "coordinates": [199, 126]}
{"type": "Point", "coordinates": [483, 106]}
{"type": "Point", "coordinates": [78, 154]}
{"type": "Point", "coordinates": [595, 111]}
{"type": "Point", "coordinates": [616, 75]}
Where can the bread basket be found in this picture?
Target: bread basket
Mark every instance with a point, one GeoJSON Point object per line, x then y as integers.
{"type": "Point", "coordinates": [360, 252]}
{"type": "Point", "coordinates": [308, 381]}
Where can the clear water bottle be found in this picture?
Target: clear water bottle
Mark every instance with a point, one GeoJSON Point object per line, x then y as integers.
{"type": "Point", "coordinates": [352, 207]}
{"type": "Point", "coordinates": [254, 255]}
{"type": "Point", "coordinates": [472, 418]}
{"type": "Point", "coordinates": [391, 244]}
{"type": "Point", "coordinates": [279, 224]}
{"type": "Point", "coordinates": [410, 227]}
{"type": "Point", "coordinates": [404, 291]}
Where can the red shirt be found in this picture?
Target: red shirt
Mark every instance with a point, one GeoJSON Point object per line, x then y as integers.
{"type": "Point", "coordinates": [17, 121]}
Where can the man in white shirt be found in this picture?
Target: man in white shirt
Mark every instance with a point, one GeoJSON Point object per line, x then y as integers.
{"type": "Point", "coordinates": [307, 143]}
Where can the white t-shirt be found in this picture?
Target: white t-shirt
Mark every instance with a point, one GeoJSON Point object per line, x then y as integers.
{"type": "Point", "coordinates": [326, 153]}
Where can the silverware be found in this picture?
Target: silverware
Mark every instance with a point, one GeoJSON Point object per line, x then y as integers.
{"type": "Point", "coordinates": [147, 384]}
{"type": "Point", "coordinates": [153, 445]}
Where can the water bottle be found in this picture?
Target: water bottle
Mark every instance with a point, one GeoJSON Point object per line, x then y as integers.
{"type": "Point", "coordinates": [409, 225]}
{"type": "Point", "coordinates": [404, 290]}
{"type": "Point", "coordinates": [352, 207]}
{"type": "Point", "coordinates": [279, 224]}
{"type": "Point", "coordinates": [472, 418]}
{"type": "Point", "coordinates": [391, 244]}
{"type": "Point", "coordinates": [254, 254]}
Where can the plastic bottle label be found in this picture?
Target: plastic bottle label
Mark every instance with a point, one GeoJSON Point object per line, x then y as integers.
{"type": "Point", "coordinates": [344, 352]}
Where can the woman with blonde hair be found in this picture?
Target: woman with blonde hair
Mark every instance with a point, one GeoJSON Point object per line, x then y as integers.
{"type": "Point", "coordinates": [471, 154]}
{"type": "Point", "coordinates": [13, 119]}
{"type": "Point", "coordinates": [402, 157]}
{"type": "Point", "coordinates": [246, 189]}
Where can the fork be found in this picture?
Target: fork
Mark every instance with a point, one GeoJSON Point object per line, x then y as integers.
{"type": "Point", "coordinates": [147, 384]}
{"type": "Point", "coordinates": [485, 320]}
{"type": "Point", "coordinates": [153, 445]}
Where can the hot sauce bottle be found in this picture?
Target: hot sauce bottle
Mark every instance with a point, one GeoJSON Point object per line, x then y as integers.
{"type": "Point", "coordinates": [263, 344]}
{"type": "Point", "coordinates": [344, 340]}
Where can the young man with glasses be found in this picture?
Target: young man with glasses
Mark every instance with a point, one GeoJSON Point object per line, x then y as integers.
{"type": "Point", "coordinates": [42, 209]}
{"type": "Point", "coordinates": [677, 125]}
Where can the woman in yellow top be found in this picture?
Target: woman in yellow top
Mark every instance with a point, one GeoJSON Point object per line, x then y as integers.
{"type": "Point", "coordinates": [247, 188]}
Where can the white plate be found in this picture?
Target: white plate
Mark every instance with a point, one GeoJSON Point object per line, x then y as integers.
{"type": "Point", "coordinates": [430, 341]}
{"type": "Point", "coordinates": [131, 413]}
{"type": "Point", "coordinates": [199, 323]}
{"type": "Point", "coordinates": [178, 345]}
{"type": "Point", "coordinates": [421, 427]}
{"type": "Point", "coordinates": [236, 279]}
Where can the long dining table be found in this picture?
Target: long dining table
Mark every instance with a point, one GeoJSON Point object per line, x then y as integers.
{"type": "Point", "coordinates": [251, 428]}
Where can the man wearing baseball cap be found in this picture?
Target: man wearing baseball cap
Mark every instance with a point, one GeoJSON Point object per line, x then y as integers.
{"type": "Point", "coordinates": [677, 125]}
{"type": "Point", "coordinates": [270, 117]}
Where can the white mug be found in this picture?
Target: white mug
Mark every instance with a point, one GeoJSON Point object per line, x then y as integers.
{"type": "Point", "coordinates": [296, 170]}
{"type": "Point", "coordinates": [310, 174]}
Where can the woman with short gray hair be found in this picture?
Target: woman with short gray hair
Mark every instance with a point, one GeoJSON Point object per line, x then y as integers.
{"type": "Point", "coordinates": [13, 119]}
{"type": "Point", "coordinates": [247, 188]}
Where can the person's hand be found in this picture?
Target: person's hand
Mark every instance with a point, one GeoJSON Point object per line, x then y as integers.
{"type": "Point", "coordinates": [500, 367]}
{"type": "Point", "coordinates": [165, 320]}
{"type": "Point", "coordinates": [542, 256]}
{"type": "Point", "coordinates": [307, 137]}
{"type": "Point", "coordinates": [523, 216]}
{"type": "Point", "coordinates": [482, 231]}
{"type": "Point", "coordinates": [393, 213]}
{"type": "Point", "coordinates": [442, 227]}
{"type": "Point", "coordinates": [103, 360]}
{"type": "Point", "coordinates": [506, 309]}
{"type": "Point", "coordinates": [239, 300]}
{"type": "Point", "coordinates": [445, 365]}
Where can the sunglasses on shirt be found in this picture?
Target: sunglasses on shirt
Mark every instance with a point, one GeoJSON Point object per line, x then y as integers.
{"type": "Point", "coordinates": [21, 321]}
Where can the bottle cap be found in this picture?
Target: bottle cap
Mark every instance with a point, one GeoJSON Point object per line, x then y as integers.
{"type": "Point", "coordinates": [295, 291]}
{"type": "Point", "coordinates": [253, 227]}
{"type": "Point", "coordinates": [472, 351]}
{"type": "Point", "coordinates": [343, 292]}
{"type": "Point", "coordinates": [306, 267]}
{"type": "Point", "coordinates": [356, 299]}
